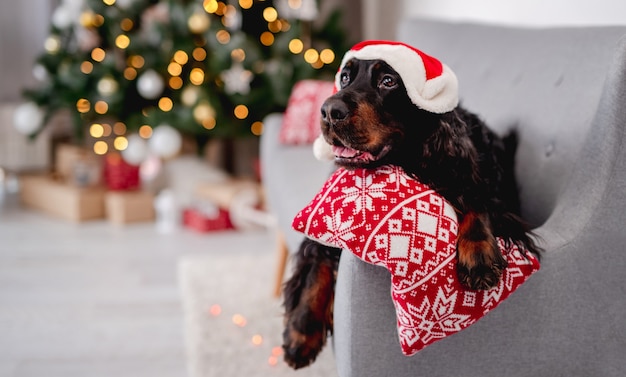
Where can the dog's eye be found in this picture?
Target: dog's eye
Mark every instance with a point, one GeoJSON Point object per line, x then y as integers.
{"type": "Point", "coordinates": [345, 79]}
{"type": "Point", "coordinates": [388, 81]}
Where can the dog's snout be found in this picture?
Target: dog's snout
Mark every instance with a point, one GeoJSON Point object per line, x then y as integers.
{"type": "Point", "coordinates": [334, 110]}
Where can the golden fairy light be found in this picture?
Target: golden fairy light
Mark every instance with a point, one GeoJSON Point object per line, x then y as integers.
{"type": "Point", "coordinates": [145, 131]}
{"type": "Point", "coordinates": [241, 111]}
{"type": "Point", "coordinates": [101, 107]}
{"type": "Point", "coordinates": [198, 22]}
{"type": "Point", "coordinates": [98, 20]}
{"type": "Point", "coordinates": [176, 82]}
{"type": "Point", "coordinates": [87, 19]}
{"type": "Point", "coordinates": [130, 73]}
{"type": "Point", "coordinates": [257, 340]}
{"type": "Point", "coordinates": [98, 54]}
{"type": "Point", "coordinates": [199, 54]}
{"type": "Point", "coordinates": [203, 111]}
{"type": "Point", "coordinates": [209, 123]}
{"type": "Point", "coordinates": [166, 104]}
{"type": "Point", "coordinates": [196, 76]}
{"type": "Point", "coordinates": [267, 38]}
{"type": "Point", "coordinates": [311, 56]}
{"type": "Point", "coordinates": [238, 55]}
{"type": "Point", "coordinates": [120, 143]}
{"type": "Point", "coordinates": [221, 8]}
{"type": "Point", "coordinates": [246, 4]}
{"type": "Point", "coordinates": [100, 147]}
{"type": "Point", "coordinates": [327, 56]}
{"type": "Point", "coordinates": [96, 130]}
{"type": "Point", "coordinates": [317, 64]}
{"type": "Point", "coordinates": [239, 320]}
{"type": "Point", "coordinates": [210, 6]}
{"type": "Point", "coordinates": [296, 46]}
{"type": "Point", "coordinates": [136, 61]}
{"type": "Point", "coordinates": [275, 26]}
{"type": "Point", "coordinates": [83, 105]}
{"type": "Point", "coordinates": [174, 69]}
{"type": "Point", "coordinates": [181, 57]}
{"type": "Point", "coordinates": [222, 37]}
{"type": "Point", "coordinates": [119, 128]}
{"type": "Point", "coordinates": [109, 2]}
{"type": "Point", "coordinates": [294, 4]}
{"type": "Point", "coordinates": [127, 24]}
{"type": "Point", "coordinates": [106, 129]}
{"type": "Point", "coordinates": [86, 67]}
{"type": "Point", "coordinates": [257, 128]}
{"type": "Point", "coordinates": [270, 14]}
{"type": "Point", "coordinates": [122, 41]}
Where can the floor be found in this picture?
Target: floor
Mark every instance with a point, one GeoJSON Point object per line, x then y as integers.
{"type": "Point", "coordinates": [95, 299]}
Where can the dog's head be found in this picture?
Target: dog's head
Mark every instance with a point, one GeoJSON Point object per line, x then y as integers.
{"type": "Point", "coordinates": [384, 91]}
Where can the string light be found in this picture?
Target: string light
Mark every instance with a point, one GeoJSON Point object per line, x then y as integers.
{"type": "Point", "coordinates": [83, 105]}
{"type": "Point", "coordinates": [296, 46]}
{"type": "Point", "coordinates": [311, 56]}
{"type": "Point", "coordinates": [327, 56]}
{"type": "Point", "coordinates": [145, 131]}
{"type": "Point", "coordinates": [120, 143]}
{"type": "Point", "coordinates": [246, 4]}
{"type": "Point", "coordinates": [275, 26]}
{"type": "Point", "coordinates": [199, 53]}
{"type": "Point", "coordinates": [257, 128]}
{"type": "Point", "coordinates": [98, 54]}
{"type": "Point", "coordinates": [52, 44]}
{"type": "Point", "coordinates": [107, 129]}
{"type": "Point", "coordinates": [241, 111]}
{"type": "Point", "coordinates": [239, 320]}
{"type": "Point", "coordinates": [119, 128]}
{"type": "Point", "coordinates": [127, 24]}
{"type": "Point", "coordinates": [100, 147]}
{"type": "Point", "coordinates": [174, 69]}
{"type": "Point", "coordinates": [136, 61]}
{"type": "Point", "coordinates": [122, 41]}
{"type": "Point", "coordinates": [267, 38]}
{"type": "Point", "coordinates": [109, 2]}
{"type": "Point", "coordinates": [98, 20]}
{"type": "Point", "coordinates": [181, 57]}
{"type": "Point", "coordinates": [270, 14]}
{"type": "Point", "coordinates": [257, 340]}
{"type": "Point", "coordinates": [130, 73]}
{"type": "Point", "coordinates": [238, 55]}
{"type": "Point", "coordinates": [215, 310]}
{"type": "Point", "coordinates": [176, 83]}
{"type": "Point", "coordinates": [210, 6]}
{"type": "Point", "coordinates": [222, 37]}
{"type": "Point", "coordinates": [96, 130]}
{"type": "Point", "coordinates": [101, 107]}
{"type": "Point", "coordinates": [196, 76]}
{"type": "Point", "coordinates": [86, 67]}
{"type": "Point", "coordinates": [166, 104]}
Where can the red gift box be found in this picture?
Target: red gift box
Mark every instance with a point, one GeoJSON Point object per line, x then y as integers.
{"type": "Point", "coordinates": [119, 174]}
{"type": "Point", "coordinates": [202, 222]}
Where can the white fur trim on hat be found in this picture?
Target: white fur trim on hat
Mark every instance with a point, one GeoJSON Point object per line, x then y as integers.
{"type": "Point", "coordinates": [430, 84]}
{"type": "Point", "coordinates": [322, 150]}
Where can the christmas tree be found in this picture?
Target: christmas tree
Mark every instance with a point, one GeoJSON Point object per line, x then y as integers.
{"type": "Point", "coordinates": [205, 68]}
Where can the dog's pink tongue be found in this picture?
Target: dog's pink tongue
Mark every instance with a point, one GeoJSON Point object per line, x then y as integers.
{"type": "Point", "coordinates": [344, 152]}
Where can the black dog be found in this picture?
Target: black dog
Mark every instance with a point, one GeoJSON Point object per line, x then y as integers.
{"type": "Point", "coordinates": [370, 122]}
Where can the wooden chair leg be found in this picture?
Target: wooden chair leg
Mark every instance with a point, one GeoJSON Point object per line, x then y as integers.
{"type": "Point", "coordinates": [283, 254]}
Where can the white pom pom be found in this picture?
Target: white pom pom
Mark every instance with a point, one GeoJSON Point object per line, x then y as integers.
{"type": "Point", "coordinates": [322, 150]}
{"type": "Point", "coordinates": [166, 141]}
{"type": "Point", "coordinates": [28, 118]}
{"type": "Point", "coordinates": [137, 150]}
{"type": "Point", "coordinates": [150, 84]}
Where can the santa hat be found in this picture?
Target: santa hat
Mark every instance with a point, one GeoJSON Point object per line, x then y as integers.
{"type": "Point", "coordinates": [430, 84]}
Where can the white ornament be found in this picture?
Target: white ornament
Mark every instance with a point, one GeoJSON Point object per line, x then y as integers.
{"type": "Point", "coordinates": [165, 141]}
{"type": "Point", "coordinates": [150, 84]}
{"type": "Point", "coordinates": [40, 73]}
{"type": "Point", "coordinates": [28, 118]}
{"type": "Point", "coordinates": [62, 17]}
{"type": "Point", "coordinates": [137, 150]}
{"type": "Point", "coordinates": [237, 80]}
{"type": "Point", "coordinates": [107, 86]}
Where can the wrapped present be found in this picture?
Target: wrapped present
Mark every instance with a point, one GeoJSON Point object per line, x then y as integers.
{"type": "Point", "coordinates": [209, 218]}
{"type": "Point", "coordinates": [77, 165]}
{"type": "Point", "coordinates": [119, 174]}
{"type": "Point", "coordinates": [59, 198]}
{"type": "Point", "coordinates": [124, 207]}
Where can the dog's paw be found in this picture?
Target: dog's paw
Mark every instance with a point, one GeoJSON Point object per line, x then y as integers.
{"type": "Point", "coordinates": [302, 349]}
{"type": "Point", "coordinates": [482, 275]}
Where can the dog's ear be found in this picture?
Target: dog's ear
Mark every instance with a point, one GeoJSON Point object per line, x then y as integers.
{"type": "Point", "coordinates": [322, 150]}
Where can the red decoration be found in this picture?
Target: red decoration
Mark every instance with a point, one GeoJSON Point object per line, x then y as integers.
{"type": "Point", "coordinates": [301, 123]}
{"type": "Point", "coordinates": [388, 219]}
{"type": "Point", "coordinates": [119, 174]}
{"type": "Point", "coordinates": [201, 222]}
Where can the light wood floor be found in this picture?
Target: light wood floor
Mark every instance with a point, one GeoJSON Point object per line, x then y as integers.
{"type": "Point", "coordinates": [95, 299]}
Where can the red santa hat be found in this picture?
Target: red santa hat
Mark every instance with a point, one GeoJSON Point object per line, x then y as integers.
{"type": "Point", "coordinates": [430, 84]}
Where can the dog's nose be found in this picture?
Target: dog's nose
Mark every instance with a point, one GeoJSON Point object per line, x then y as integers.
{"type": "Point", "coordinates": [334, 110]}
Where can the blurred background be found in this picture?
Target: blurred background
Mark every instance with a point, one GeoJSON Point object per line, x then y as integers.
{"type": "Point", "coordinates": [134, 239]}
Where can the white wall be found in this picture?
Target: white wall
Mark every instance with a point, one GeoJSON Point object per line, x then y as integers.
{"type": "Point", "coordinates": [533, 13]}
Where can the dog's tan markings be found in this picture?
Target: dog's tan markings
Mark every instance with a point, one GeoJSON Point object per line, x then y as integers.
{"type": "Point", "coordinates": [480, 262]}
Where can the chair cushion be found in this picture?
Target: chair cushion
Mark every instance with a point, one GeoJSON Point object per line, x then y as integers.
{"type": "Point", "coordinates": [386, 218]}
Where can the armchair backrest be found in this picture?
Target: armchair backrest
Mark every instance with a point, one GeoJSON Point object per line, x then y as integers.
{"type": "Point", "coordinates": [553, 89]}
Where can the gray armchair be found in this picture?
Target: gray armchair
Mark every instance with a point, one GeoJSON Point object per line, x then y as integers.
{"type": "Point", "coordinates": [564, 91]}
